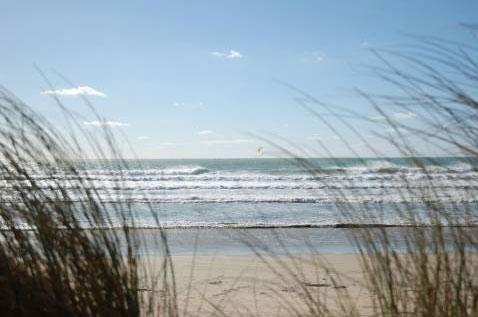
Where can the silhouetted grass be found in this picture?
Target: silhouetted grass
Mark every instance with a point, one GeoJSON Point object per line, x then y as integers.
{"type": "Point", "coordinates": [435, 272]}
{"type": "Point", "coordinates": [51, 262]}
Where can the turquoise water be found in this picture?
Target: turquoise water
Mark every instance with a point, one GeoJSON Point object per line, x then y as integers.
{"type": "Point", "coordinates": [217, 198]}
{"type": "Point", "coordinates": [257, 193]}
{"type": "Point", "coordinates": [252, 193]}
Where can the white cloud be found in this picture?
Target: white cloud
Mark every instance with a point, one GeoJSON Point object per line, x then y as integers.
{"type": "Point", "coordinates": [143, 137]}
{"type": "Point", "coordinates": [377, 118]}
{"type": "Point", "coordinates": [218, 54]}
{"type": "Point", "coordinates": [405, 115]}
{"type": "Point", "coordinates": [231, 54]}
{"type": "Point", "coordinates": [234, 54]}
{"type": "Point", "coordinates": [314, 57]}
{"type": "Point", "coordinates": [105, 123]}
{"type": "Point", "coordinates": [82, 90]}
{"type": "Point", "coordinates": [205, 132]}
{"type": "Point", "coordinates": [396, 116]}
{"type": "Point", "coordinates": [317, 56]}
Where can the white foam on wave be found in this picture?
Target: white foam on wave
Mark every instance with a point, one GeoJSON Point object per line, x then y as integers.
{"type": "Point", "coordinates": [458, 181]}
{"type": "Point", "coordinates": [185, 170]}
{"type": "Point", "coordinates": [366, 183]}
{"type": "Point", "coordinates": [199, 174]}
{"type": "Point", "coordinates": [285, 196]}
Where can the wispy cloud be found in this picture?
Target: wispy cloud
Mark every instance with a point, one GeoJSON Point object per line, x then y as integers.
{"type": "Point", "coordinates": [377, 118]}
{"type": "Point", "coordinates": [105, 123]}
{"type": "Point", "coordinates": [205, 132]}
{"type": "Point", "coordinates": [314, 57]}
{"type": "Point", "coordinates": [82, 90]}
{"type": "Point", "coordinates": [143, 137]}
{"type": "Point", "coordinates": [317, 56]}
{"type": "Point", "coordinates": [231, 54]}
{"type": "Point", "coordinates": [396, 116]}
{"type": "Point", "coordinates": [404, 115]}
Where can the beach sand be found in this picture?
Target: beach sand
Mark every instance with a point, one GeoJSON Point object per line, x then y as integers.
{"type": "Point", "coordinates": [245, 285]}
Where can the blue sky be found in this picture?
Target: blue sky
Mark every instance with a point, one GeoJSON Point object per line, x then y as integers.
{"type": "Point", "coordinates": [190, 79]}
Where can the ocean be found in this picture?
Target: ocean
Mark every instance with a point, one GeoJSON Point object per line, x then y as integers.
{"type": "Point", "coordinates": [276, 193]}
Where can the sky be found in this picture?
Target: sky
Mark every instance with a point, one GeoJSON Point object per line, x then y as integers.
{"type": "Point", "coordinates": [210, 79]}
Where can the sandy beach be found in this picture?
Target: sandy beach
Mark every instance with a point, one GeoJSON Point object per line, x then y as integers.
{"type": "Point", "coordinates": [236, 285]}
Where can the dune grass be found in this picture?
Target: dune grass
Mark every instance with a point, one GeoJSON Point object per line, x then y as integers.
{"type": "Point", "coordinates": [49, 264]}
{"type": "Point", "coordinates": [436, 274]}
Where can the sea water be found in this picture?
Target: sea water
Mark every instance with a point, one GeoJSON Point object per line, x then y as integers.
{"type": "Point", "coordinates": [276, 193]}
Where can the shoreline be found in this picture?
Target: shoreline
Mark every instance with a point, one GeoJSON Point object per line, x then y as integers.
{"type": "Point", "coordinates": [306, 241]}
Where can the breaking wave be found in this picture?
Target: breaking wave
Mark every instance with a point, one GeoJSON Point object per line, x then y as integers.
{"type": "Point", "coordinates": [376, 181]}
